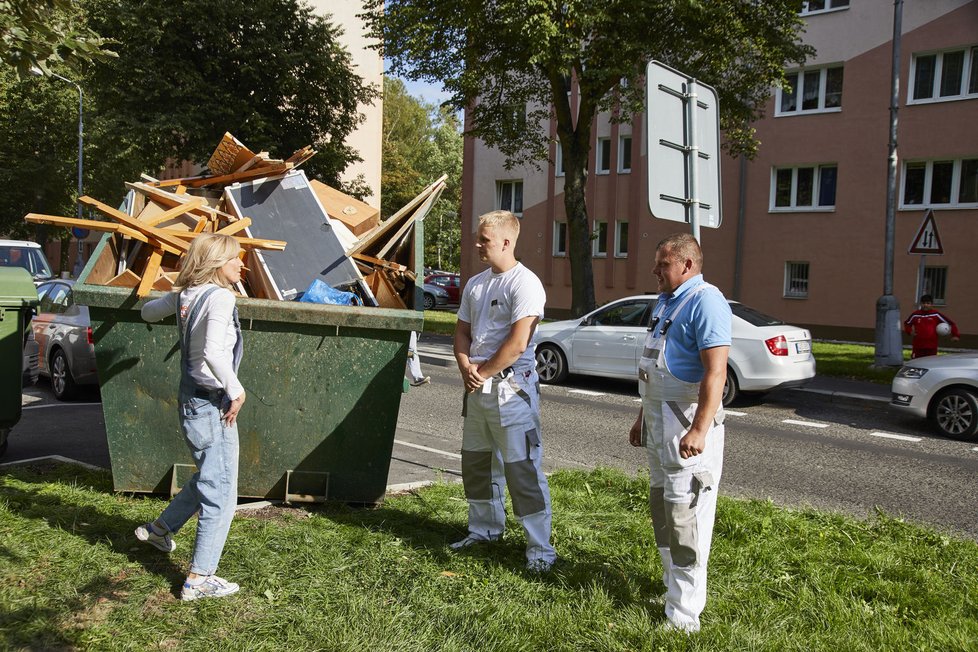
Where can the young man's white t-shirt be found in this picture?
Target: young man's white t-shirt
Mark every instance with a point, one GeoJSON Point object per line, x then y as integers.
{"type": "Point", "coordinates": [492, 303]}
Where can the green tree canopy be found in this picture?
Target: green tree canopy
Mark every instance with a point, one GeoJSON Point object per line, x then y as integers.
{"type": "Point", "coordinates": [511, 58]}
{"type": "Point", "coordinates": [422, 142]}
{"type": "Point", "coordinates": [271, 72]}
{"type": "Point", "coordinates": [39, 33]}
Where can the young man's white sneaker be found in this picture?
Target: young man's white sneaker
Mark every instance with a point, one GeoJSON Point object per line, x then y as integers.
{"type": "Point", "coordinates": [212, 586]}
{"type": "Point", "coordinates": [147, 534]}
{"type": "Point", "coordinates": [469, 541]}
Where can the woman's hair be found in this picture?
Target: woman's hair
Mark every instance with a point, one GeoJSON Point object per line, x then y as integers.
{"type": "Point", "coordinates": [208, 253]}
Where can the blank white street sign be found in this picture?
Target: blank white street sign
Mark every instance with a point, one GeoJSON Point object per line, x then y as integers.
{"type": "Point", "coordinates": [671, 142]}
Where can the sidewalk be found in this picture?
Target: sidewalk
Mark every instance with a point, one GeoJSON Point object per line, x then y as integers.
{"type": "Point", "coordinates": [437, 350]}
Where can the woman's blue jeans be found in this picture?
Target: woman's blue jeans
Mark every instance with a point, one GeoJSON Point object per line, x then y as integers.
{"type": "Point", "coordinates": [213, 490]}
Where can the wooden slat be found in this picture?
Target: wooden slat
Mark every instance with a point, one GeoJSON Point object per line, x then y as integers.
{"type": "Point", "coordinates": [170, 199]}
{"type": "Point", "coordinates": [235, 227]}
{"type": "Point", "coordinates": [127, 279]}
{"type": "Point", "coordinates": [94, 225]}
{"type": "Point", "coordinates": [201, 225]}
{"type": "Point", "coordinates": [372, 236]}
{"type": "Point", "coordinates": [235, 177]}
{"type": "Point", "coordinates": [246, 243]}
{"type": "Point", "coordinates": [151, 232]}
{"type": "Point", "coordinates": [175, 212]}
{"type": "Point", "coordinates": [149, 274]}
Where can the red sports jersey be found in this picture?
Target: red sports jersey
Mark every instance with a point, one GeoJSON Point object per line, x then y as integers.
{"type": "Point", "coordinates": [922, 324]}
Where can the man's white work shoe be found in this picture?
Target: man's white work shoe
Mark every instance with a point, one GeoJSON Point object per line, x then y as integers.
{"type": "Point", "coordinates": [162, 542]}
{"type": "Point", "coordinates": [212, 587]}
{"type": "Point", "coordinates": [539, 566]}
{"type": "Point", "coordinates": [470, 541]}
{"type": "Point", "coordinates": [421, 381]}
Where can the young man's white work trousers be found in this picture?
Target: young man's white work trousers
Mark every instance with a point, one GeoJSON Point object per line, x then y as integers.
{"type": "Point", "coordinates": [683, 500]}
{"type": "Point", "coordinates": [501, 445]}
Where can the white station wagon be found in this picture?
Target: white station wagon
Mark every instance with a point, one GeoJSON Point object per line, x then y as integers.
{"type": "Point", "coordinates": [765, 353]}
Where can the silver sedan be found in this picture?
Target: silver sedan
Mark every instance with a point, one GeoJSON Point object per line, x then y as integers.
{"type": "Point", "coordinates": [942, 388]}
{"type": "Point", "coordinates": [64, 334]}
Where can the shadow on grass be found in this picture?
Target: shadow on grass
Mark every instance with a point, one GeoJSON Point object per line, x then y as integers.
{"type": "Point", "coordinates": [86, 521]}
{"type": "Point", "coordinates": [576, 569]}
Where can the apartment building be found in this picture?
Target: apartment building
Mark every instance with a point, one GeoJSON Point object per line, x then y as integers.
{"type": "Point", "coordinates": [803, 227]}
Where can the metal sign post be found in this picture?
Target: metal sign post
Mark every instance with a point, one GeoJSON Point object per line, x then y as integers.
{"type": "Point", "coordinates": [683, 134]}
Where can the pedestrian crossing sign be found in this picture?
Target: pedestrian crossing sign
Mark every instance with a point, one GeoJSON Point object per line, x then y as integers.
{"type": "Point", "coordinates": [928, 240]}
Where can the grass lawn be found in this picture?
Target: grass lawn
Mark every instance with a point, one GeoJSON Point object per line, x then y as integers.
{"type": "Point", "coordinates": [336, 578]}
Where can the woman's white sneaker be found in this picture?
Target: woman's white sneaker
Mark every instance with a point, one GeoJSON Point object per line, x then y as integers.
{"type": "Point", "coordinates": [212, 587]}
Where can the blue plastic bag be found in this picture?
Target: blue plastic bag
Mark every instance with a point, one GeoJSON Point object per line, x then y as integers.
{"type": "Point", "coordinates": [321, 292]}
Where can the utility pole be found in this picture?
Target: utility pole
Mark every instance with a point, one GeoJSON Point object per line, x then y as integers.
{"type": "Point", "coordinates": [889, 343]}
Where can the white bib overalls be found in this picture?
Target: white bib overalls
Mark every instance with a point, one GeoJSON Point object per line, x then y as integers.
{"type": "Point", "coordinates": [683, 492]}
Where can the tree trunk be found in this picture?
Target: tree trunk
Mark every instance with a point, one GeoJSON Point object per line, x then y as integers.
{"type": "Point", "coordinates": [578, 237]}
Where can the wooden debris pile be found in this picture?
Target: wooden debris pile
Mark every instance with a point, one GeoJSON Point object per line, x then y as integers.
{"type": "Point", "coordinates": [253, 197]}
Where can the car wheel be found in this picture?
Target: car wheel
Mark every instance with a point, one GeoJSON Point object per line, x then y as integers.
{"type": "Point", "coordinates": [551, 364]}
{"type": "Point", "coordinates": [62, 384]}
{"type": "Point", "coordinates": [730, 388]}
{"type": "Point", "coordinates": [429, 301]}
{"type": "Point", "coordinates": [956, 413]}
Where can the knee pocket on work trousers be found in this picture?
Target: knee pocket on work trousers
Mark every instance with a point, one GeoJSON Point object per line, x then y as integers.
{"type": "Point", "coordinates": [477, 474]}
{"type": "Point", "coordinates": [682, 526]}
{"type": "Point", "coordinates": [521, 458]}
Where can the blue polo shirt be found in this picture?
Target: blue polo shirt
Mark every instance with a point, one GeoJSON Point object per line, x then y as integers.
{"type": "Point", "coordinates": [703, 323]}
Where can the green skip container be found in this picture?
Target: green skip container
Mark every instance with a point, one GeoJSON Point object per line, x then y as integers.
{"type": "Point", "coordinates": [17, 297]}
{"type": "Point", "coordinates": [323, 385]}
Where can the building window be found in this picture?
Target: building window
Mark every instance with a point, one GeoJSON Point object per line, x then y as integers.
{"type": "Point", "coordinates": [812, 90]}
{"type": "Point", "coordinates": [559, 164]}
{"type": "Point", "coordinates": [560, 238]}
{"type": "Point", "coordinates": [599, 240]}
{"type": "Point", "coordinates": [820, 6]}
{"type": "Point", "coordinates": [804, 188]}
{"type": "Point", "coordinates": [621, 239]}
{"type": "Point", "coordinates": [515, 117]}
{"type": "Point", "coordinates": [795, 280]}
{"type": "Point", "coordinates": [604, 155]}
{"type": "Point", "coordinates": [935, 284]}
{"type": "Point", "coordinates": [509, 196]}
{"type": "Point", "coordinates": [624, 154]}
{"type": "Point", "coordinates": [943, 76]}
{"type": "Point", "coordinates": [952, 184]}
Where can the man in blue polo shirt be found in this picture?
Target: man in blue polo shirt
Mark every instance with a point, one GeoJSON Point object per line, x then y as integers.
{"type": "Point", "coordinates": [681, 377]}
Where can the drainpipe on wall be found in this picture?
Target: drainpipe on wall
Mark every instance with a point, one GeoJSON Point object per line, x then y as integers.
{"type": "Point", "coordinates": [741, 217]}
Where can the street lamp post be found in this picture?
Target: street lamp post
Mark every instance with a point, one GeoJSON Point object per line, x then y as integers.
{"type": "Point", "coordinates": [81, 142]}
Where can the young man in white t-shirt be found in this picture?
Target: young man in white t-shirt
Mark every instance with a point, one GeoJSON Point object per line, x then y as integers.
{"type": "Point", "coordinates": [501, 442]}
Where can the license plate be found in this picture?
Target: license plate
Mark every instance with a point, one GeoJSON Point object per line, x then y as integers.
{"type": "Point", "coordinates": [803, 347]}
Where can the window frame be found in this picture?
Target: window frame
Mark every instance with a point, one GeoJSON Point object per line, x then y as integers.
{"type": "Point", "coordinates": [814, 12]}
{"type": "Point", "coordinates": [500, 185]}
{"type": "Point", "coordinates": [970, 60]}
{"type": "Point", "coordinates": [794, 207]}
{"type": "Point", "coordinates": [927, 189]}
{"type": "Point", "coordinates": [559, 170]}
{"type": "Point", "coordinates": [603, 146]}
{"type": "Point", "coordinates": [621, 154]}
{"type": "Point", "coordinates": [790, 274]}
{"type": "Point", "coordinates": [939, 296]}
{"type": "Point", "coordinates": [799, 90]}
{"type": "Point", "coordinates": [559, 228]}
{"type": "Point", "coordinates": [597, 240]}
{"type": "Point", "coordinates": [621, 226]}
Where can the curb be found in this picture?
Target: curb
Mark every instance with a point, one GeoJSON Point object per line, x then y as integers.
{"type": "Point", "coordinates": [845, 397]}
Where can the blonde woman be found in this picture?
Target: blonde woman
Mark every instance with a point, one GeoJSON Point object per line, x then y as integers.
{"type": "Point", "coordinates": [210, 398]}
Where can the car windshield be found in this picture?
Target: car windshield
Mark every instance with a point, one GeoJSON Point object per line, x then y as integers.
{"type": "Point", "coordinates": [29, 258]}
{"type": "Point", "coordinates": [754, 317]}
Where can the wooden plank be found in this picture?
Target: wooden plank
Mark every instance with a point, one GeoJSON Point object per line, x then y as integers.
{"type": "Point", "coordinates": [235, 227]}
{"type": "Point", "coordinates": [127, 279]}
{"type": "Point", "coordinates": [372, 236]}
{"type": "Point", "coordinates": [149, 274]}
{"type": "Point", "coordinates": [246, 243]}
{"type": "Point", "coordinates": [170, 199]}
{"type": "Point", "coordinates": [384, 292]}
{"type": "Point", "coordinates": [94, 225]}
{"type": "Point", "coordinates": [358, 216]}
{"type": "Point", "coordinates": [201, 225]}
{"type": "Point", "coordinates": [175, 212]}
{"type": "Point", "coordinates": [168, 241]}
{"type": "Point", "coordinates": [227, 179]}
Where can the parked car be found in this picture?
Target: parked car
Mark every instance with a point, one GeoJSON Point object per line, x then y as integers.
{"type": "Point", "coordinates": [435, 296]}
{"type": "Point", "coordinates": [29, 255]}
{"type": "Point", "coordinates": [765, 353]}
{"type": "Point", "coordinates": [64, 335]}
{"type": "Point", "coordinates": [31, 358]}
{"type": "Point", "coordinates": [943, 389]}
{"type": "Point", "coordinates": [450, 282]}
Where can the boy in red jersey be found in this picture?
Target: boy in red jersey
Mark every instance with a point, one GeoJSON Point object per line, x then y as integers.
{"type": "Point", "coordinates": [923, 323]}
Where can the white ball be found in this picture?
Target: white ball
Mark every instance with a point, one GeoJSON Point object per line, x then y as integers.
{"type": "Point", "coordinates": [943, 329]}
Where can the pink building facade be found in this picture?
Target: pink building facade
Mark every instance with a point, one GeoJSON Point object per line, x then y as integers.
{"type": "Point", "coordinates": [803, 225]}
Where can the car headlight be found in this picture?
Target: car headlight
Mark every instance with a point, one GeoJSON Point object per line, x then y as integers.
{"type": "Point", "coordinates": [912, 373]}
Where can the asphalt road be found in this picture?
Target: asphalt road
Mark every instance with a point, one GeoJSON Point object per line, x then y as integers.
{"type": "Point", "coordinates": [795, 448]}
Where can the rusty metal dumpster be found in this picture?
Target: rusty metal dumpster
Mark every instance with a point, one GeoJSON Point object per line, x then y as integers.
{"type": "Point", "coordinates": [323, 385]}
